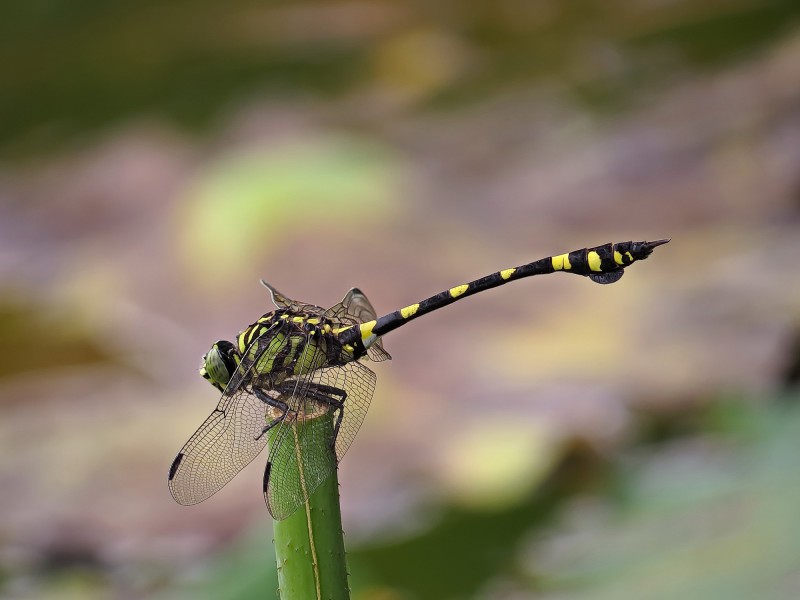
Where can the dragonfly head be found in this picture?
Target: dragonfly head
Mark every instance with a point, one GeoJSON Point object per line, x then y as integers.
{"type": "Point", "coordinates": [218, 364]}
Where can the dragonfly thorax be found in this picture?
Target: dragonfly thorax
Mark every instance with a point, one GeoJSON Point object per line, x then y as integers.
{"type": "Point", "coordinates": [286, 343]}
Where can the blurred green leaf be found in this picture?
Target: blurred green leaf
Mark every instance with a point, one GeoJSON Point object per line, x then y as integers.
{"type": "Point", "coordinates": [245, 571]}
{"type": "Point", "coordinates": [247, 205]}
{"type": "Point", "coordinates": [69, 68]}
{"type": "Point", "coordinates": [704, 517]}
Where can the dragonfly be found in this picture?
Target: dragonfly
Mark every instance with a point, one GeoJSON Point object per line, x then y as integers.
{"type": "Point", "coordinates": [300, 364]}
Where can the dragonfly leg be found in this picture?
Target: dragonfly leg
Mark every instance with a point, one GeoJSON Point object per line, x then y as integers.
{"type": "Point", "coordinates": [325, 393]}
{"type": "Point", "coordinates": [282, 406]}
{"type": "Point", "coordinates": [318, 392]}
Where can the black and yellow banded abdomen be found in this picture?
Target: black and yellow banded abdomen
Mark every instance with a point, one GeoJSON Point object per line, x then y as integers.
{"type": "Point", "coordinates": [602, 264]}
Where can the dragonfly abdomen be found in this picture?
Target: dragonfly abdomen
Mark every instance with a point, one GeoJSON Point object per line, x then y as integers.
{"type": "Point", "coordinates": [602, 264]}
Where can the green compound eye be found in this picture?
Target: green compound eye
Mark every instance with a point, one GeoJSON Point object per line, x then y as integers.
{"type": "Point", "coordinates": [218, 364]}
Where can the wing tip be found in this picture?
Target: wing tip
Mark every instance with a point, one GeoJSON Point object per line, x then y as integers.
{"type": "Point", "coordinates": [277, 298]}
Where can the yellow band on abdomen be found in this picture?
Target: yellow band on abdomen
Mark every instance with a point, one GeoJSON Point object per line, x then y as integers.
{"type": "Point", "coordinates": [561, 262]}
{"type": "Point", "coordinates": [366, 330]}
{"type": "Point", "coordinates": [595, 263]}
{"type": "Point", "coordinates": [409, 310]}
{"type": "Point", "coordinates": [458, 290]}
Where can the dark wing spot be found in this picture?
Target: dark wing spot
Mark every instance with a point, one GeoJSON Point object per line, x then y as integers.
{"type": "Point", "coordinates": [266, 476]}
{"type": "Point", "coordinates": [175, 464]}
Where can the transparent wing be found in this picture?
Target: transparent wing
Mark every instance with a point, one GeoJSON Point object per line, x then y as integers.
{"type": "Point", "coordinates": [354, 305]}
{"type": "Point", "coordinates": [303, 452]}
{"type": "Point", "coordinates": [229, 439]}
{"type": "Point", "coordinates": [281, 301]}
{"type": "Point", "coordinates": [356, 308]}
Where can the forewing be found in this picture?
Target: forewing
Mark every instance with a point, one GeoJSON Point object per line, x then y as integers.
{"type": "Point", "coordinates": [223, 445]}
{"type": "Point", "coordinates": [301, 450]}
{"type": "Point", "coordinates": [228, 440]}
{"type": "Point", "coordinates": [356, 308]}
{"type": "Point", "coordinates": [281, 301]}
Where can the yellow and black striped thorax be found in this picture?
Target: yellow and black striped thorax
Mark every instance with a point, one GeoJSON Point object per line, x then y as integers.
{"type": "Point", "coordinates": [284, 343]}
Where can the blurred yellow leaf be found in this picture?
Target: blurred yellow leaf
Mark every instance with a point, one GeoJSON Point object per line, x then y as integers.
{"type": "Point", "coordinates": [496, 462]}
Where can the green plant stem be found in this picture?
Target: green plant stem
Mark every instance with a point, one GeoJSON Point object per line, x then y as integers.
{"type": "Point", "coordinates": [309, 544]}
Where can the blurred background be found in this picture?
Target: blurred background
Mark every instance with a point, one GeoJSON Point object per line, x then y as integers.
{"type": "Point", "coordinates": [552, 438]}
